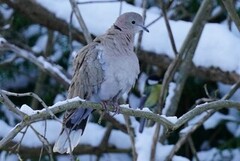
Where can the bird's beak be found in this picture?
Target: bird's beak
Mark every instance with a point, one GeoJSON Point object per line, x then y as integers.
{"type": "Point", "coordinates": [144, 28]}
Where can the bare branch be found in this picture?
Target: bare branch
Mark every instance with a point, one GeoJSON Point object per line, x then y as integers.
{"type": "Point", "coordinates": [186, 53]}
{"type": "Point", "coordinates": [232, 12]}
{"type": "Point", "coordinates": [75, 9]}
{"type": "Point", "coordinates": [79, 103]}
{"type": "Point", "coordinates": [52, 69]}
{"type": "Point", "coordinates": [170, 34]}
{"type": "Point", "coordinates": [186, 135]}
{"type": "Point", "coordinates": [132, 137]}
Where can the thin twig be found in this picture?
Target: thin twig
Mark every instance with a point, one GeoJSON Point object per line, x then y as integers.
{"type": "Point", "coordinates": [78, 103]}
{"type": "Point", "coordinates": [139, 41]}
{"type": "Point", "coordinates": [120, 7]}
{"type": "Point", "coordinates": [192, 147]}
{"type": "Point", "coordinates": [31, 94]}
{"type": "Point", "coordinates": [54, 70]}
{"type": "Point", "coordinates": [45, 142]}
{"type": "Point", "coordinates": [232, 12]}
{"type": "Point", "coordinates": [76, 10]}
{"type": "Point", "coordinates": [11, 106]}
{"type": "Point", "coordinates": [132, 137]}
{"type": "Point", "coordinates": [158, 18]}
{"type": "Point", "coordinates": [70, 33]}
{"type": "Point", "coordinates": [8, 61]}
{"type": "Point", "coordinates": [186, 53]}
{"type": "Point", "coordinates": [233, 90]}
{"type": "Point", "coordinates": [184, 137]}
{"type": "Point", "coordinates": [170, 34]}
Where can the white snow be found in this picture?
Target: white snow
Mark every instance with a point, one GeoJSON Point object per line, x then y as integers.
{"type": "Point", "coordinates": [7, 157]}
{"type": "Point", "coordinates": [53, 128]}
{"type": "Point", "coordinates": [217, 154]}
{"type": "Point", "coordinates": [2, 41]}
{"type": "Point", "coordinates": [31, 30]}
{"type": "Point", "coordinates": [216, 118]}
{"type": "Point", "coordinates": [143, 147]}
{"type": "Point", "coordinates": [5, 11]}
{"type": "Point", "coordinates": [171, 90]}
{"type": "Point", "coordinates": [56, 69]}
{"type": "Point", "coordinates": [146, 109]}
{"type": "Point", "coordinates": [66, 101]}
{"type": "Point", "coordinates": [59, 97]}
{"type": "Point", "coordinates": [172, 119]}
{"type": "Point", "coordinates": [232, 126]}
{"type": "Point", "coordinates": [41, 43]}
{"type": "Point", "coordinates": [27, 110]}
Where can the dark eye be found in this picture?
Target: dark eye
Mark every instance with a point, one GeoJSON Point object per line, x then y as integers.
{"type": "Point", "coordinates": [133, 22]}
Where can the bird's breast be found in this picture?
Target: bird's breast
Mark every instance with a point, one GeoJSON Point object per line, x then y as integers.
{"type": "Point", "coordinates": [120, 73]}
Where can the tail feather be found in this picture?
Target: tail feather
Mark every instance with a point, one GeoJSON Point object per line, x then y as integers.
{"type": "Point", "coordinates": [66, 139]}
{"type": "Point", "coordinates": [74, 124]}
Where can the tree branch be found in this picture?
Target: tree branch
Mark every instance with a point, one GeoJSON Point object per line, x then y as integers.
{"type": "Point", "coordinates": [228, 4]}
{"type": "Point", "coordinates": [79, 103]}
{"type": "Point", "coordinates": [32, 152]}
{"type": "Point", "coordinates": [54, 70]}
{"type": "Point", "coordinates": [186, 53]}
{"type": "Point", "coordinates": [75, 9]}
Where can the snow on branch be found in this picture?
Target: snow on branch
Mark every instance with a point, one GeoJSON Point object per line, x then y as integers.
{"type": "Point", "coordinates": [54, 70]}
{"type": "Point", "coordinates": [168, 122]}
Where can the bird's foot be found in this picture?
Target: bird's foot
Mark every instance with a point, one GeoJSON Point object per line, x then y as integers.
{"type": "Point", "coordinates": [115, 105]}
{"type": "Point", "coordinates": [116, 108]}
{"type": "Point", "coordinates": [104, 106]}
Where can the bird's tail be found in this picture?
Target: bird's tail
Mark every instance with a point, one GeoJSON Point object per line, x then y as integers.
{"type": "Point", "coordinates": [141, 125]}
{"type": "Point", "coordinates": [74, 124]}
{"type": "Point", "coordinates": [67, 140]}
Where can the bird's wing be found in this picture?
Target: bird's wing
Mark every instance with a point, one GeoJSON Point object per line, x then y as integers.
{"type": "Point", "coordinates": [86, 82]}
{"type": "Point", "coordinates": [88, 74]}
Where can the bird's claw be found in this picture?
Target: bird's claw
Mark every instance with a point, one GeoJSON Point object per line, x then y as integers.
{"type": "Point", "coordinates": [114, 104]}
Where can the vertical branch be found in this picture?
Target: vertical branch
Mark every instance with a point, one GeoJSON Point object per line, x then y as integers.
{"type": "Point", "coordinates": [170, 34]}
{"type": "Point", "coordinates": [86, 33]}
{"type": "Point", "coordinates": [132, 138]}
{"type": "Point", "coordinates": [186, 53]}
{"type": "Point", "coordinates": [228, 4]}
{"type": "Point", "coordinates": [42, 75]}
{"type": "Point", "coordinates": [144, 6]}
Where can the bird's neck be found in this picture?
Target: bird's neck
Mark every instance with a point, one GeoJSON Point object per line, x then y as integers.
{"type": "Point", "coordinates": [124, 38]}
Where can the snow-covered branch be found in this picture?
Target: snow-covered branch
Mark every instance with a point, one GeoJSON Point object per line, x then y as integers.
{"type": "Point", "coordinates": [54, 70]}
{"type": "Point", "coordinates": [170, 123]}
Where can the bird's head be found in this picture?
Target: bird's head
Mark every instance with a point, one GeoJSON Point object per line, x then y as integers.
{"type": "Point", "coordinates": [130, 22]}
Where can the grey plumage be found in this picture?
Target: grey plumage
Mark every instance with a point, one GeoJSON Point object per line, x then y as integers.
{"type": "Point", "coordinates": [104, 70]}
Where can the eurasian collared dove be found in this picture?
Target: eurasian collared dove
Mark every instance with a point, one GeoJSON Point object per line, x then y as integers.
{"type": "Point", "coordinates": [104, 70]}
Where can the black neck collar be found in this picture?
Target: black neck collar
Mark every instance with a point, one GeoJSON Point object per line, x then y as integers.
{"type": "Point", "coordinates": [116, 27]}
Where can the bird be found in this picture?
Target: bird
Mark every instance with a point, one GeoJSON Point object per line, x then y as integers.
{"type": "Point", "coordinates": [104, 70]}
{"type": "Point", "coordinates": [152, 89]}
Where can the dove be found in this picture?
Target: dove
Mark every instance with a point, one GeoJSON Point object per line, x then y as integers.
{"type": "Point", "coordinates": [104, 70]}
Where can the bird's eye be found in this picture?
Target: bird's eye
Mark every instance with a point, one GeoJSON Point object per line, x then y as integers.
{"type": "Point", "coordinates": [133, 22]}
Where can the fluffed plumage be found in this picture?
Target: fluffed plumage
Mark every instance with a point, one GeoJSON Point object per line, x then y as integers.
{"type": "Point", "coordinates": [104, 70]}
